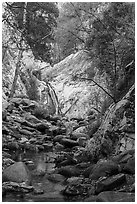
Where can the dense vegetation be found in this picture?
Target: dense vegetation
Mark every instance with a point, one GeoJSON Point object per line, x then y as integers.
{"type": "Point", "coordinates": [68, 103]}
{"type": "Point", "coordinates": [52, 31]}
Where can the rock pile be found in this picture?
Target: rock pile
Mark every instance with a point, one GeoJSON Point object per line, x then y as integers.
{"type": "Point", "coordinates": [77, 175]}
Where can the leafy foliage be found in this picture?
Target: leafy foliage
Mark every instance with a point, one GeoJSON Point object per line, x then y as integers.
{"type": "Point", "coordinates": [37, 27]}
{"type": "Point", "coordinates": [113, 45]}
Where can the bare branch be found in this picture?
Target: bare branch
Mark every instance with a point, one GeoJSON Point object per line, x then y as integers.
{"type": "Point", "coordinates": [89, 79]}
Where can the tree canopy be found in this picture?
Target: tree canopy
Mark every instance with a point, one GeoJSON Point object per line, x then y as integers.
{"type": "Point", "coordinates": [35, 21]}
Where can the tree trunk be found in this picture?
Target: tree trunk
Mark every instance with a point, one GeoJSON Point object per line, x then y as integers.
{"type": "Point", "coordinates": [17, 70]}
{"type": "Point", "coordinates": [18, 64]}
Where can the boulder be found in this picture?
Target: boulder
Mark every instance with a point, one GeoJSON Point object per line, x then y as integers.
{"type": "Point", "coordinates": [103, 168]}
{"type": "Point", "coordinates": [124, 156]}
{"type": "Point", "coordinates": [130, 166]}
{"type": "Point", "coordinates": [68, 171]}
{"type": "Point", "coordinates": [17, 172]}
{"type": "Point", "coordinates": [110, 183]}
{"type": "Point", "coordinates": [113, 196]}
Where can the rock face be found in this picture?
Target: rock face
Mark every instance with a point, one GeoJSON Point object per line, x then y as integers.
{"type": "Point", "coordinates": [74, 94]}
{"type": "Point", "coordinates": [117, 131]}
{"type": "Point", "coordinates": [18, 172]}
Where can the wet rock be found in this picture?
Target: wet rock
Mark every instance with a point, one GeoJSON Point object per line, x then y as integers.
{"type": "Point", "coordinates": [29, 162]}
{"type": "Point", "coordinates": [73, 179]}
{"type": "Point", "coordinates": [40, 112]}
{"type": "Point", "coordinates": [68, 161]}
{"type": "Point", "coordinates": [42, 127]}
{"type": "Point", "coordinates": [28, 124]}
{"type": "Point", "coordinates": [48, 146]}
{"type": "Point", "coordinates": [32, 140]}
{"type": "Point", "coordinates": [62, 130]}
{"type": "Point", "coordinates": [32, 119]}
{"type": "Point", "coordinates": [81, 155]}
{"type": "Point", "coordinates": [23, 140]}
{"type": "Point", "coordinates": [110, 183]}
{"type": "Point", "coordinates": [71, 191]}
{"type": "Point", "coordinates": [16, 187]}
{"type": "Point", "coordinates": [103, 168]}
{"type": "Point", "coordinates": [54, 118]}
{"type": "Point", "coordinates": [124, 156]}
{"type": "Point", "coordinates": [58, 138]}
{"type": "Point", "coordinates": [77, 187]}
{"type": "Point", "coordinates": [88, 170]}
{"type": "Point", "coordinates": [26, 132]}
{"type": "Point", "coordinates": [46, 137]}
{"type": "Point", "coordinates": [68, 171]}
{"type": "Point", "coordinates": [130, 166]}
{"type": "Point", "coordinates": [18, 172]}
{"type": "Point", "coordinates": [57, 178]}
{"type": "Point", "coordinates": [75, 135]}
{"type": "Point", "coordinates": [82, 141]}
{"type": "Point", "coordinates": [7, 162]}
{"type": "Point", "coordinates": [68, 143]}
{"type": "Point", "coordinates": [132, 188]}
{"type": "Point", "coordinates": [83, 165]}
{"type": "Point", "coordinates": [58, 147]}
{"type": "Point", "coordinates": [54, 130]}
{"type": "Point", "coordinates": [113, 196]}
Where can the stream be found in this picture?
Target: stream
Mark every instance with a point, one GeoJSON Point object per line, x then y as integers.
{"type": "Point", "coordinates": [44, 187]}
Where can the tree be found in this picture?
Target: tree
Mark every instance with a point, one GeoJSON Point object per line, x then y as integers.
{"type": "Point", "coordinates": [112, 45]}
{"type": "Point", "coordinates": [32, 27]}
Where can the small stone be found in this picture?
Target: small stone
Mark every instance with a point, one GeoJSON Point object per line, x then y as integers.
{"type": "Point", "coordinates": [68, 143]}
{"type": "Point", "coordinates": [58, 138]}
{"type": "Point", "coordinates": [38, 191]}
{"type": "Point", "coordinates": [48, 146]}
{"type": "Point", "coordinates": [56, 178]}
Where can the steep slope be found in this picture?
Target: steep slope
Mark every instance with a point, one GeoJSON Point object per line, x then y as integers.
{"type": "Point", "coordinates": [76, 96]}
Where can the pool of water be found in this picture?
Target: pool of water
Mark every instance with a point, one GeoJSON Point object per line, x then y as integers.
{"type": "Point", "coordinates": [52, 191]}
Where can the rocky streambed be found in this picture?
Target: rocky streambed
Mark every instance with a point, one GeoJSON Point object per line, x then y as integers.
{"type": "Point", "coordinates": [45, 159]}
